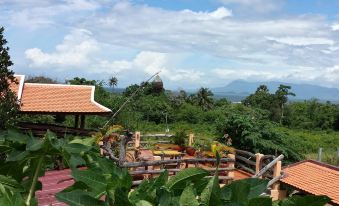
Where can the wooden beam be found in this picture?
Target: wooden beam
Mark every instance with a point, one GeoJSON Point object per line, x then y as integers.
{"type": "Point", "coordinates": [238, 151]}
{"type": "Point", "coordinates": [76, 121]}
{"type": "Point", "coordinates": [247, 161]}
{"type": "Point", "coordinates": [247, 169]}
{"type": "Point", "coordinates": [268, 166]}
{"type": "Point", "coordinates": [138, 172]}
{"type": "Point", "coordinates": [82, 121]}
{"type": "Point", "coordinates": [161, 162]}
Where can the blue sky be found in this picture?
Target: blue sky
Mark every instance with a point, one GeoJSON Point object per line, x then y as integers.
{"type": "Point", "coordinates": [193, 42]}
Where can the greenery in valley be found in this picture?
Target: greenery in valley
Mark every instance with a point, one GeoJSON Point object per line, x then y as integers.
{"type": "Point", "coordinates": [264, 122]}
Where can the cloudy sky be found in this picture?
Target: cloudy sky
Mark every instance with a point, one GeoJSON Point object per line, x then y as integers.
{"type": "Point", "coordinates": [193, 42]}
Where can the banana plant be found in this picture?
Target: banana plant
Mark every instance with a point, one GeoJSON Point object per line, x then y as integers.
{"type": "Point", "coordinates": [25, 158]}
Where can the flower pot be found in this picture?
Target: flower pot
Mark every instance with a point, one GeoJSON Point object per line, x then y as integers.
{"type": "Point", "coordinates": [190, 151]}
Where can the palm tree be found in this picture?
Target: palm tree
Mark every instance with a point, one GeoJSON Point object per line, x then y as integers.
{"type": "Point", "coordinates": [113, 81]}
{"type": "Point", "coordinates": [204, 98]}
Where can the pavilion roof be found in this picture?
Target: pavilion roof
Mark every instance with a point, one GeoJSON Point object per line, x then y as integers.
{"type": "Point", "coordinates": [314, 178]}
{"type": "Point", "coordinates": [57, 98]}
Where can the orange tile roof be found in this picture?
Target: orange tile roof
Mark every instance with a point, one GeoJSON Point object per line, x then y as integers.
{"type": "Point", "coordinates": [57, 98]}
{"type": "Point", "coordinates": [315, 178]}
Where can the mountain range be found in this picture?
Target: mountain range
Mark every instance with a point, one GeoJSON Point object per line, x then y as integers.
{"type": "Point", "coordinates": [242, 88]}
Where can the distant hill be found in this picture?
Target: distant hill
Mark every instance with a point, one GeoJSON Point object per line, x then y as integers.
{"type": "Point", "coordinates": [241, 89]}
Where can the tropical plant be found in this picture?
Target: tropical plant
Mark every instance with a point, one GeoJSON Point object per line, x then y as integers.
{"type": "Point", "coordinates": [113, 81]}
{"type": "Point", "coordinates": [179, 137]}
{"type": "Point", "coordinates": [103, 183]}
{"type": "Point", "coordinates": [204, 98]}
{"type": "Point", "coordinates": [27, 158]}
{"type": "Point", "coordinates": [281, 97]}
{"type": "Point", "coordinates": [8, 100]}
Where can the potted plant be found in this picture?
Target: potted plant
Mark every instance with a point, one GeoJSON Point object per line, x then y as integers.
{"type": "Point", "coordinates": [179, 140]}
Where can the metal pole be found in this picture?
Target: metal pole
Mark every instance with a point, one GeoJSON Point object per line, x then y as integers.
{"type": "Point", "coordinates": [167, 129]}
{"type": "Point", "coordinates": [320, 151]}
{"type": "Point", "coordinates": [337, 156]}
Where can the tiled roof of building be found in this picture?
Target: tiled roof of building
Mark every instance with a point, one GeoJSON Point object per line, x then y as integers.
{"type": "Point", "coordinates": [314, 178]}
{"type": "Point", "coordinates": [57, 98]}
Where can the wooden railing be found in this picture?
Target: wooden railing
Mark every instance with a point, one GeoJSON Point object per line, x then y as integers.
{"type": "Point", "coordinates": [259, 165]}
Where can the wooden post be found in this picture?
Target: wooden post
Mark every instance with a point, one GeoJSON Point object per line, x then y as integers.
{"type": "Point", "coordinates": [82, 121]}
{"type": "Point", "coordinates": [122, 152]}
{"type": "Point", "coordinates": [337, 156]}
{"type": "Point", "coordinates": [231, 165]}
{"type": "Point", "coordinates": [320, 151]}
{"type": "Point", "coordinates": [190, 139]}
{"type": "Point", "coordinates": [258, 157]}
{"type": "Point", "coordinates": [276, 173]}
{"type": "Point", "coordinates": [76, 121]}
{"type": "Point", "coordinates": [137, 140]}
{"type": "Point", "coordinates": [101, 150]}
{"type": "Point", "coordinates": [276, 193]}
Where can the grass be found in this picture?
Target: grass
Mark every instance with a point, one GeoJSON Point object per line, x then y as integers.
{"type": "Point", "coordinates": [308, 142]}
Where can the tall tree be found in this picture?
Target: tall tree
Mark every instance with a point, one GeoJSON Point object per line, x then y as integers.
{"type": "Point", "coordinates": [261, 98]}
{"type": "Point", "coordinates": [281, 98]}
{"type": "Point", "coordinates": [204, 98]}
{"type": "Point", "coordinates": [8, 100]}
{"type": "Point", "coordinates": [113, 81]}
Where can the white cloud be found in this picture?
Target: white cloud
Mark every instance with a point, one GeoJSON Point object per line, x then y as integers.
{"type": "Point", "coordinates": [257, 5]}
{"type": "Point", "coordinates": [335, 27]}
{"type": "Point", "coordinates": [75, 51]}
{"type": "Point", "coordinates": [302, 41]}
{"type": "Point", "coordinates": [219, 13]}
{"type": "Point", "coordinates": [33, 14]}
{"type": "Point", "coordinates": [149, 63]}
{"type": "Point", "coordinates": [284, 46]}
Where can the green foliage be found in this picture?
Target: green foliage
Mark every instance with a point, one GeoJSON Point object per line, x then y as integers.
{"type": "Point", "coordinates": [104, 183]}
{"type": "Point", "coordinates": [113, 81]}
{"type": "Point", "coordinates": [274, 103]}
{"type": "Point", "coordinates": [249, 130]}
{"type": "Point", "coordinates": [179, 137]}
{"type": "Point", "coordinates": [181, 189]}
{"type": "Point", "coordinates": [8, 100]}
{"type": "Point", "coordinates": [40, 79]}
{"type": "Point", "coordinates": [27, 158]}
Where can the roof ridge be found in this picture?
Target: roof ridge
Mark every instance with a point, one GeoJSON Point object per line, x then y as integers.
{"type": "Point", "coordinates": [59, 85]}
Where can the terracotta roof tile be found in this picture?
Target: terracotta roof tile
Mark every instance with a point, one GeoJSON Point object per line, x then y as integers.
{"type": "Point", "coordinates": [56, 98]}
{"type": "Point", "coordinates": [314, 178]}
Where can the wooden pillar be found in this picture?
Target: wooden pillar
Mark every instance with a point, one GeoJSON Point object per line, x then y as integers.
{"type": "Point", "coordinates": [82, 121]}
{"type": "Point", "coordinates": [76, 121]}
{"type": "Point", "coordinates": [276, 193]}
{"type": "Point", "coordinates": [101, 143]}
{"type": "Point", "coordinates": [190, 139]}
{"type": "Point", "coordinates": [258, 157]}
{"type": "Point", "coordinates": [231, 165]}
{"type": "Point", "coordinates": [137, 140]}
{"type": "Point", "coordinates": [276, 173]}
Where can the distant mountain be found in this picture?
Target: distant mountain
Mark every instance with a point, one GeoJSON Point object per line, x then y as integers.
{"type": "Point", "coordinates": [243, 88]}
